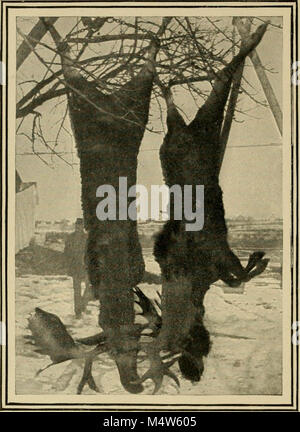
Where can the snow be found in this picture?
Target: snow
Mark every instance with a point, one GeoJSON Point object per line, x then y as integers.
{"type": "Point", "coordinates": [245, 328]}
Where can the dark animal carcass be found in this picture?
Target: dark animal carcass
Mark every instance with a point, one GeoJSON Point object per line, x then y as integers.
{"type": "Point", "coordinates": [191, 261]}
{"type": "Point", "coordinates": [108, 131]}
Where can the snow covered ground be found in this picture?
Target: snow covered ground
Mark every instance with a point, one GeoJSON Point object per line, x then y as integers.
{"type": "Point", "coordinates": [245, 328]}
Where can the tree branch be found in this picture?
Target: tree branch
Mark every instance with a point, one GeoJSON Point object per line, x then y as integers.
{"type": "Point", "coordinates": [39, 100]}
{"type": "Point", "coordinates": [37, 89]}
{"type": "Point", "coordinates": [110, 38]}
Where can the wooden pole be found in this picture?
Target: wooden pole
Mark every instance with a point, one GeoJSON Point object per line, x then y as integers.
{"type": "Point", "coordinates": [262, 76]}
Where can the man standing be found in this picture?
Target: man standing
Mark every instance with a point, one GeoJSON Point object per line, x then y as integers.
{"type": "Point", "coordinates": [75, 261]}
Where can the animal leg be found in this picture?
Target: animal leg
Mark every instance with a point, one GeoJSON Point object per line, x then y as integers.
{"type": "Point", "coordinates": [213, 110]}
{"type": "Point", "coordinates": [254, 258]}
{"type": "Point", "coordinates": [233, 266]}
{"type": "Point", "coordinates": [260, 267]}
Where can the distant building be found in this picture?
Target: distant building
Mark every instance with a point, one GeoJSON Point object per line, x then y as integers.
{"type": "Point", "coordinates": [26, 201]}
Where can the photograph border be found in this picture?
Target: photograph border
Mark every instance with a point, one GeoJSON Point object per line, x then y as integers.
{"type": "Point", "coordinates": [8, 405]}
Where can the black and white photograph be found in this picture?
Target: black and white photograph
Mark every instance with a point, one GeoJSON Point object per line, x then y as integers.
{"type": "Point", "coordinates": [149, 203]}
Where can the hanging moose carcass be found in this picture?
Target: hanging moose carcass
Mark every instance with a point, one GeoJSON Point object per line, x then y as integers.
{"type": "Point", "coordinates": [191, 261]}
{"type": "Point", "coordinates": [108, 132]}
